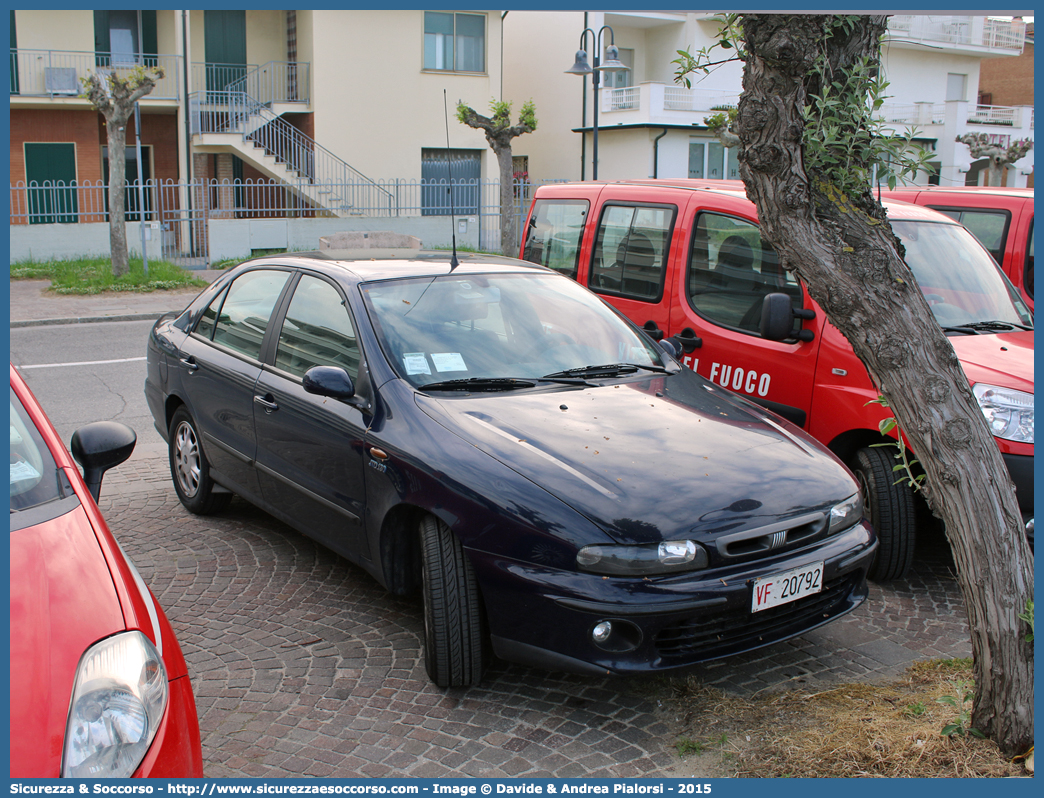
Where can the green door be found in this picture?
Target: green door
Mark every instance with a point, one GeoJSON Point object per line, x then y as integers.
{"type": "Point", "coordinates": [224, 40]}
{"type": "Point", "coordinates": [50, 174]}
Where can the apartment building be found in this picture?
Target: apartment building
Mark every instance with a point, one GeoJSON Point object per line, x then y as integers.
{"type": "Point", "coordinates": [649, 126]}
{"type": "Point", "coordinates": [331, 105]}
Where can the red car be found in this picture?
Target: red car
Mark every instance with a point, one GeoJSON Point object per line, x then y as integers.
{"type": "Point", "coordinates": [99, 687]}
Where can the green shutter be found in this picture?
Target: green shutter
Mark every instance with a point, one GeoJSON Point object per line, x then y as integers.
{"type": "Point", "coordinates": [101, 38]}
{"type": "Point", "coordinates": [149, 36]}
{"type": "Point", "coordinates": [14, 56]}
{"type": "Point", "coordinates": [53, 168]}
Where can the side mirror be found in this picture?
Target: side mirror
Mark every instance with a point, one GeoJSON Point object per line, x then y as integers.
{"type": "Point", "coordinates": [331, 381]}
{"type": "Point", "coordinates": [100, 446]}
{"type": "Point", "coordinates": [777, 319]}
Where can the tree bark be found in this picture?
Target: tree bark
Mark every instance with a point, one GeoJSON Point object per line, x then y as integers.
{"type": "Point", "coordinates": [844, 250]}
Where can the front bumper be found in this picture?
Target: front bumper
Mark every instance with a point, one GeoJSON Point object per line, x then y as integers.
{"type": "Point", "coordinates": [544, 617]}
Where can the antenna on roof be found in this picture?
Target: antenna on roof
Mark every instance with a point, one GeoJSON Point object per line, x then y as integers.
{"type": "Point", "coordinates": [449, 165]}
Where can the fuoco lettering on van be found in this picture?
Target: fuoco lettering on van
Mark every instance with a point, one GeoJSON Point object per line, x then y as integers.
{"type": "Point", "coordinates": [738, 379]}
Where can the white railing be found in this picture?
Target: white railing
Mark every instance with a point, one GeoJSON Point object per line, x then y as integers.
{"type": "Point", "coordinates": [996, 115]}
{"type": "Point", "coordinates": [918, 114]}
{"type": "Point", "coordinates": [624, 99]}
{"type": "Point", "coordinates": [57, 73]}
{"type": "Point", "coordinates": [276, 82]}
{"type": "Point", "coordinates": [677, 98]}
{"type": "Point", "coordinates": [998, 34]}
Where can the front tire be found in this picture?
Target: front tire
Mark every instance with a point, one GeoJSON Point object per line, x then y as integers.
{"type": "Point", "coordinates": [454, 638]}
{"type": "Point", "coordinates": [891, 511]}
{"type": "Point", "coordinates": [189, 467]}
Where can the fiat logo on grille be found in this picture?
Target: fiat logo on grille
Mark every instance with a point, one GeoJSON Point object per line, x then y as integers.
{"type": "Point", "coordinates": [778, 539]}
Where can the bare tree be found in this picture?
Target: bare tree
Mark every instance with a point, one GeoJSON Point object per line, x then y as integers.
{"type": "Point", "coordinates": [807, 150]}
{"type": "Point", "coordinates": [499, 133]}
{"type": "Point", "coordinates": [999, 155]}
{"type": "Point", "coordinates": [114, 97]}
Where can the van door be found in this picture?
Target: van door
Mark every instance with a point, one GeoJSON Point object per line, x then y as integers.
{"type": "Point", "coordinates": [728, 273]}
{"type": "Point", "coordinates": [629, 259]}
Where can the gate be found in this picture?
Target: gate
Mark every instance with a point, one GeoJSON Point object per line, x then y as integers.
{"type": "Point", "coordinates": [183, 210]}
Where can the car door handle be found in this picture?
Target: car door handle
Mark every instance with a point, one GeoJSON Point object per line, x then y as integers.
{"type": "Point", "coordinates": [266, 402]}
{"type": "Point", "coordinates": [190, 363]}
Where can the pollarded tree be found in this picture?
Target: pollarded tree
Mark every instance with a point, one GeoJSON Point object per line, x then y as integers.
{"type": "Point", "coordinates": [1000, 155]}
{"type": "Point", "coordinates": [808, 144]}
{"type": "Point", "coordinates": [114, 97]}
{"type": "Point", "coordinates": [499, 133]}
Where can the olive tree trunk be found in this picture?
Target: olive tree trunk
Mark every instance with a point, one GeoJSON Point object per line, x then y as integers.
{"type": "Point", "coordinates": [114, 98]}
{"type": "Point", "coordinates": [844, 250]}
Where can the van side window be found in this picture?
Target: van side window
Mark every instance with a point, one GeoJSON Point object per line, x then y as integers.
{"type": "Point", "coordinates": [553, 237]}
{"type": "Point", "coordinates": [630, 251]}
{"type": "Point", "coordinates": [989, 226]}
{"type": "Point", "coordinates": [731, 270]}
{"type": "Point", "coordinates": [1027, 273]}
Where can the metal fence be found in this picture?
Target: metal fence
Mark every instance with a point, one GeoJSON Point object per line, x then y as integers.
{"type": "Point", "coordinates": [182, 210]}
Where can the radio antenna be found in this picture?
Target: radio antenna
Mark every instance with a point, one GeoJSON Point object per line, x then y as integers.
{"type": "Point", "coordinates": [449, 165]}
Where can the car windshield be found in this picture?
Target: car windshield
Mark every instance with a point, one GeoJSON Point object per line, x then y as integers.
{"type": "Point", "coordinates": [34, 474]}
{"type": "Point", "coordinates": [508, 330]}
{"type": "Point", "coordinates": [959, 279]}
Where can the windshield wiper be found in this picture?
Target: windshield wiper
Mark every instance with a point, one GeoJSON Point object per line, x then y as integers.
{"type": "Point", "coordinates": [607, 370]}
{"type": "Point", "coordinates": [976, 327]}
{"type": "Point", "coordinates": [479, 384]}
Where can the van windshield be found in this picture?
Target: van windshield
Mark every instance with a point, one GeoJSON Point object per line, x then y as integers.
{"type": "Point", "coordinates": [962, 283]}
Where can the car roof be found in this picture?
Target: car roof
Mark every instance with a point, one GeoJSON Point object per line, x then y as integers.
{"type": "Point", "coordinates": [734, 189]}
{"type": "Point", "coordinates": [968, 191]}
{"type": "Point", "coordinates": [366, 265]}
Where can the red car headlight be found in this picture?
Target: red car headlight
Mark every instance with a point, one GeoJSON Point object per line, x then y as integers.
{"type": "Point", "coordinates": [118, 701]}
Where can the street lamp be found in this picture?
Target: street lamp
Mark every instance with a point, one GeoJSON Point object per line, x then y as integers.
{"type": "Point", "coordinates": [581, 67]}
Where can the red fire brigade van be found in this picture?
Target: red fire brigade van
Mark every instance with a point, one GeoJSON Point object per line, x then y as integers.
{"type": "Point", "coordinates": [1001, 218]}
{"type": "Point", "coordinates": [687, 261]}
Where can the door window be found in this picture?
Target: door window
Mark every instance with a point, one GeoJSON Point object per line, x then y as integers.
{"type": "Point", "coordinates": [1027, 275]}
{"type": "Point", "coordinates": [631, 250]}
{"type": "Point", "coordinates": [732, 270]}
{"type": "Point", "coordinates": [555, 230]}
{"type": "Point", "coordinates": [317, 331]}
{"type": "Point", "coordinates": [247, 308]}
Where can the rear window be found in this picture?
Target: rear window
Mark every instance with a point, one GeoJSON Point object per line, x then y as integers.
{"type": "Point", "coordinates": [556, 228]}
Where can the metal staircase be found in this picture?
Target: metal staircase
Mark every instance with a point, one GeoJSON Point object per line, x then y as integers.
{"type": "Point", "coordinates": [233, 120]}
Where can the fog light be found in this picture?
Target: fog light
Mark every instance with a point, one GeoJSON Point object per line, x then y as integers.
{"type": "Point", "coordinates": [602, 631]}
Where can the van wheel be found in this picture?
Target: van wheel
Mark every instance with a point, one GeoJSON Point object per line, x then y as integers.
{"type": "Point", "coordinates": [454, 639]}
{"type": "Point", "coordinates": [890, 509]}
{"type": "Point", "coordinates": [189, 467]}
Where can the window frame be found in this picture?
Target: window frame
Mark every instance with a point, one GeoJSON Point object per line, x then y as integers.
{"type": "Point", "coordinates": [716, 322]}
{"type": "Point", "coordinates": [278, 308]}
{"type": "Point", "coordinates": [455, 38]}
{"type": "Point", "coordinates": [544, 203]}
{"type": "Point", "coordinates": [665, 261]}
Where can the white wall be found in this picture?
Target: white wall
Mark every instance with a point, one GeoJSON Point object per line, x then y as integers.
{"type": "Point", "coordinates": [43, 242]}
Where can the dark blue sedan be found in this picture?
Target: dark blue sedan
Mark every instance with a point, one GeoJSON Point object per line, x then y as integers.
{"type": "Point", "coordinates": [562, 492]}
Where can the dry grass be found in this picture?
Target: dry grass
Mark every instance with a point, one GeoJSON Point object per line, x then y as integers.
{"type": "Point", "coordinates": [861, 730]}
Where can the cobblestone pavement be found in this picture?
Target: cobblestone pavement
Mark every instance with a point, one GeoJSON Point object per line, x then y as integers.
{"type": "Point", "coordinates": [302, 665]}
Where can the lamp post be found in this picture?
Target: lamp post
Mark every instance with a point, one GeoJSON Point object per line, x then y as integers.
{"type": "Point", "coordinates": [583, 68]}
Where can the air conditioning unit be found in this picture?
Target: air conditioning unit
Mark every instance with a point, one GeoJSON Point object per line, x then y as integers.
{"type": "Point", "coordinates": [61, 80]}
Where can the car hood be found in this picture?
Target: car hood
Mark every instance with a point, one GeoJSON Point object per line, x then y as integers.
{"type": "Point", "coordinates": [62, 601]}
{"type": "Point", "coordinates": [1002, 359]}
{"type": "Point", "coordinates": [652, 459]}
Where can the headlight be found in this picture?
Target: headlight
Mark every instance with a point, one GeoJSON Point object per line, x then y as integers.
{"type": "Point", "coordinates": [118, 700]}
{"type": "Point", "coordinates": [1009, 413]}
{"type": "Point", "coordinates": [655, 558]}
{"type": "Point", "coordinates": [846, 513]}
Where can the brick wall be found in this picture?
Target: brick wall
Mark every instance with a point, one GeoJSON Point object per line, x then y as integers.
{"type": "Point", "coordinates": [1009, 80]}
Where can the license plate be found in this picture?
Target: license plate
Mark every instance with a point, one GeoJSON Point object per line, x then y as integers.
{"type": "Point", "coordinates": [771, 591]}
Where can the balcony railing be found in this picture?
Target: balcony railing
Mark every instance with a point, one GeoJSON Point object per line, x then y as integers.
{"type": "Point", "coordinates": [995, 34]}
{"type": "Point", "coordinates": [996, 115]}
{"type": "Point", "coordinates": [57, 73]}
{"type": "Point", "coordinates": [274, 82]}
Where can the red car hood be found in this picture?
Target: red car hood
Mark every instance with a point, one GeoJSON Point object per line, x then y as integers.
{"type": "Point", "coordinates": [1004, 359]}
{"type": "Point", "coordinates": [62, 601]}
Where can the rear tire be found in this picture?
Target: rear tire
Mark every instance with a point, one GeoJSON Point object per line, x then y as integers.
{"type": "Point", "coordinates": [189, 467]}
{"type": "Point", "coordinates": [891, 511]}
{"type": "Point", "coordinates": [454, 638]}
